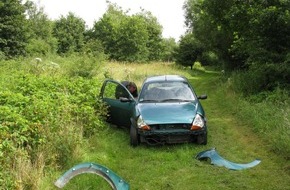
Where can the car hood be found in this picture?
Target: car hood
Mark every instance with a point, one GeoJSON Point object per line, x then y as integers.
{"type": "Point", "coordinates": [161, 113]}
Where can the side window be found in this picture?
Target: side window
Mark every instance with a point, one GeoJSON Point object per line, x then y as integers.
{"type": "Point", "coordinates": [121, 92]}
{"type": "Point", "coordinates": [114, 91]}
{"type": "Point", "coordinates": [110, 90]}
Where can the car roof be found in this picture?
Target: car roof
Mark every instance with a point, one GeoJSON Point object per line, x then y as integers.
{"type": "Point", "coordinates": [161, 78]}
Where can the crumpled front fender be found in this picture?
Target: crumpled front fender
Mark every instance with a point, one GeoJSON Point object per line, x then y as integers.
{"type": "Point", "coordinates": [216, 159]}
{"type": "Point", "coordinates": [116, 182]}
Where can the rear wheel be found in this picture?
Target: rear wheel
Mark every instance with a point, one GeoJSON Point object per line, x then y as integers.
{"type": "Point", "coordinates": [134, 136]}
{"type": "Point", "coordinates": [202, 139]}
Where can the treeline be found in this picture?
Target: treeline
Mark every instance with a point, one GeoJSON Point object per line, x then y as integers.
{"type": "Point", "coordinates": [249, 37]}
{"type": "Point", "coordinates": [26, 30]}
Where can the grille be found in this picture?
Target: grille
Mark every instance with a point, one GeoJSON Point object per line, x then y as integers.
{"type": "Point", "coordinates": [170, 126]}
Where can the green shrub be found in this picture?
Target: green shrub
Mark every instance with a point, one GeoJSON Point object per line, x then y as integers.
{"type": "Point", "coordinates": [44, 113]}
{"type": "Point", "coordinates": [40, 47]}
{"type": "Point", "coordinates": [2, 56]}
{"type": "Point", "coordinates": [261, 78]}
{"type": "Point", "coordinates": [198, 66]}
{"type": "Point", "coordinates": [83, 66]}
{"type": "Point", "coordinates": [208, 58]}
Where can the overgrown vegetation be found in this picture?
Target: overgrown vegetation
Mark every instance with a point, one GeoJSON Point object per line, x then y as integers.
{"type": "Point", "coordinates": [248, 37]}
{"type": "Point", "coordinates": [46, 110]}
{"type": "Point", "coordinates": [266, 114]}
{"type": "Point", "coordinates": [52, 120]}
{"type": "Point", "coordinates": [51, 117]}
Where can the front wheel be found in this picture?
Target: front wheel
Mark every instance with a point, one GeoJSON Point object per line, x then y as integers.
{"type": "Point", "coordinates": [134, 136]}
{"type": "Point", "coordinates": [202, 139]}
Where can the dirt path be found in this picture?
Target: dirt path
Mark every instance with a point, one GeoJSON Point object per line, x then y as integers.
{"type": "Point", "coordinates": [236, 142]}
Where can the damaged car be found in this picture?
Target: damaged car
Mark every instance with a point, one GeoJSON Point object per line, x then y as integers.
{"type": "Point", "coordinates": [167, 110]}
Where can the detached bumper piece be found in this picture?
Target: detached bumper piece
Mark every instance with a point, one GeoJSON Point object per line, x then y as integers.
{"type": "Point", "coordinates": [216, 159]}
{"type": "Point", "coordinates": [112, 178]}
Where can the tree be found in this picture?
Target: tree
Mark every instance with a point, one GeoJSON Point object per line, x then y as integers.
{"type": "Point", "coordinates": [241, 32]}
{"type": "Point", "coordinates": [106, 30]}
{"type": "Point", "coordinates": [188, 50]}
{"type": "Point", "coordinates": [154, 30]}
{"type": "Point", "coordinates": [206, 20]}
{"type": "Point", "coordinates": [132, 40]}
{"type": "Point", "coordinates": [129, 38]}
{"type": "Point", "coordinates": [13, 30]}
{"type": "Point", "coordinates": [69, 32]}
{"type": "Point", "coordinates": [169, 46]}
{"type": "Point", "coordinates": [246, 35]}
{"type": "Point", "coordinates": [41, 40]}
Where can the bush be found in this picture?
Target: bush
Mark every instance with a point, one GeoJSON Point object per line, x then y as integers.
{"type": "Point", "coordinates": [208, 58]}
{"type": "Point", "coordinates": [198, 66]}
{"type": "Point", "coordinates": [261, 78]}
{"type": "Point", "coordinates": [85, 66]}
{"type": "Point", "coordinates": [42, 113]}
{"type": "Point", "coordinates": [2, 55]}
{"type": "Point", "coordinates": [40, 47]}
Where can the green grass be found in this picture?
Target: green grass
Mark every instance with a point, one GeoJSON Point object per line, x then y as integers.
{"type": "Point", "coordinates": [174, 166]}
{"type": "Point", "coordinates": [152, 167]}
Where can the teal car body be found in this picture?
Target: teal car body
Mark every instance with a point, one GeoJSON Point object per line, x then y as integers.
{"type": "Point", "coordinates": [167, 110]}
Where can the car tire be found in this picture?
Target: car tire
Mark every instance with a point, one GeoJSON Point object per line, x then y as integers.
{"type": "Point", "coordinates": [202, 139]}
{"type": "Point", "coordinates": [134, 136]}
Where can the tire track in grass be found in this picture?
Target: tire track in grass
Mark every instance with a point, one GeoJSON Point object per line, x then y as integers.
{"type": "Point", "coordinates": [173, 166]}
{"type": "Point", "coordinates": [235, 140]}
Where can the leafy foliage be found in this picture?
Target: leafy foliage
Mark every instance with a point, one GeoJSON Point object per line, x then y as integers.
{"type": "Point", "coordinates": [132, 38]}
{"type": "Point", "coordinates": [69, 32]}
{"type": "Point", "coordinates": [154, 30]}
{"type": "Point", "coordinates": [245, 35]}
{"type": "Point", "coordinates": [105, 30]}
{"type": "Point", "coordinates": [121, 36]}
{"type": "Point", "coordinates": [169, 46]}
{"type": "Point", "coordinates": [41, 40]}
{"type": "Point", "coordinates": [188, 51]}
{"type": "Point", "coordinates": [129, 38]}
{"type": "Point", "coordinates": [40, 109]}
{"type": "Point", "coordinates": [13, 28]}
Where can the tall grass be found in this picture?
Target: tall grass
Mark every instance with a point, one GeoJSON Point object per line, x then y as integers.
{"type": "Point", "coordinates": [267, 113]}
{"type": "Point", "coordinates": [51, 119]}
{"type": "Point", "coordinates": [48, 109]}
{"type": "Point", "coordinates": [138, 72]}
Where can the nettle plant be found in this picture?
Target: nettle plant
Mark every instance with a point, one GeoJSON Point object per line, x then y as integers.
{"type": "Point", "coordinates": [36, 108]}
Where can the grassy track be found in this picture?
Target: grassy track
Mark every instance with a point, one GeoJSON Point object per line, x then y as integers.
{"type": "Point", "coordinates": [173, 167]}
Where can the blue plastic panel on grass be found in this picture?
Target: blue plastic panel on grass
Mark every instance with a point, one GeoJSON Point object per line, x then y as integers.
{"type": "Point", "coordinates": [116, 182]}
{"type": "Point", "coordinates": [216, 159]}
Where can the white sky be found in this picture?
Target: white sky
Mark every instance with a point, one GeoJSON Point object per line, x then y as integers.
{"type": "Point", "coordinates": [168, 12]}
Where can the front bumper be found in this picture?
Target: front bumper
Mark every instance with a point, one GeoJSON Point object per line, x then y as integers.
{"type": "Point", "coordinates": [170, 136]}
{"type": "Point", "coordinates": [171, 132]}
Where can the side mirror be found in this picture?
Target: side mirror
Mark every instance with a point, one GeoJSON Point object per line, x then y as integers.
{"type": "Point", "coordinates": [202, 97]}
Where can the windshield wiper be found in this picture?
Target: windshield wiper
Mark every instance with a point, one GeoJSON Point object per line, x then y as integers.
{"type": "Point", "coordinates": [149, 101]}
{"type": "Point", "coordinates": [175, 100]}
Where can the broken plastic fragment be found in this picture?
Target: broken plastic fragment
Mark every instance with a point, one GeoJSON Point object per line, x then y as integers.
{"type": "Point", "coordinates": [216, 159]}
{"type": "Point", "coordinates": [113, 179]}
